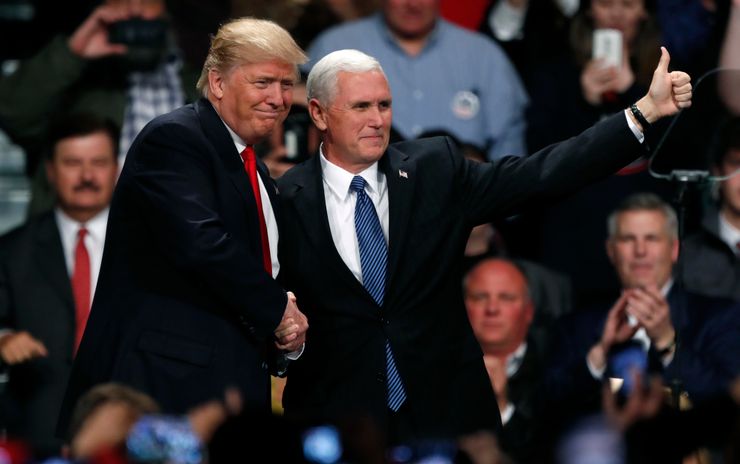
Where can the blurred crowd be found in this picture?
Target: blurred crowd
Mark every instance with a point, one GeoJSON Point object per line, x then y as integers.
{"type": "Point", "coordinates": [609, 319]}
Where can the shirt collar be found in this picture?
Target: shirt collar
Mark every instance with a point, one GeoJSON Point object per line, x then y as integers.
{"type": "Point", "coordinates": [728, 233]}
{"type": "Point", "coordinates": [238, 142]}
{"type": "Point", "coordinates": [339, 179]}
{"type": "Point", "coordinates": [514, 360]}
{"type": "Point", "coordinates": [95, 226]}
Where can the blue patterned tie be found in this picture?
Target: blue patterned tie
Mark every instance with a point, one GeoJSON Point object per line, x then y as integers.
{"type": "Point", "coordinates": [373, 261]}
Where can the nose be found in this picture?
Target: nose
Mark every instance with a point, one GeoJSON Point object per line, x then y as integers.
{"type": "Point", "coordinates": [275, 96]}
{"type": "Point", "coordinates": [375, 118]}
{"type": "Point", "coordinates": [640, 247]}
{"type": "Point", "coordinates": [492, 306]}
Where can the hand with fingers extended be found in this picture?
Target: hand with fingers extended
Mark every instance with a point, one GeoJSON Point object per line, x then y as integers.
{"type": "Point", "coordinates": [291, 332]}
{"type": "Point", "coordinates": [650, 308]}
{"type": "Point", "coordinates": [669, 92]}
{"type": "Point", "coordinates": [90, 39]}
{"type": "Point", "coordinates": [19, 347]}
{"type": "Point", "coordinates": [617, 329]}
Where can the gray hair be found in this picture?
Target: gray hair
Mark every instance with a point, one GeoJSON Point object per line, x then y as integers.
{"type": "Point", "coordinates": [249, 40]}
{"type": "Point", "coordinates": [322, 80]}
{"type": "Point", "coordinates": [644, 202]}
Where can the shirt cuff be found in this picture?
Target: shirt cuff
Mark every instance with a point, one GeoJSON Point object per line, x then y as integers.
{"type": "Point", "coordinates": [633, 127]}
{"type": "Point", "coordinates": [294, 355]}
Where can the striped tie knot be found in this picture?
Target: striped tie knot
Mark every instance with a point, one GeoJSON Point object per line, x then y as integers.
{"type": "Point", "coordinates": [358, 184]}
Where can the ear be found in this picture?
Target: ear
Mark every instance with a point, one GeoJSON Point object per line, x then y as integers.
{"type": "Point", "coordinates": [675, 247]}
{"type": "Point", "coordinates": [609, 250]}
{"type": "Point", "coordinates": [318, 114]}
{"type": "Point", "coordinates": [50, 174]}
{"type": "Point", "coordinates": [215, 84]}
{"type": "Point", "coordinates": [529, 311]}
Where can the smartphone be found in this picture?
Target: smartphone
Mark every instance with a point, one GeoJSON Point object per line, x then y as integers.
{"type": "Point", "coordinates": [138, 32]}
{"type": "Point", "coordinates": [623, 360]}
{"type": "Point", "coordinates": [607, 46]}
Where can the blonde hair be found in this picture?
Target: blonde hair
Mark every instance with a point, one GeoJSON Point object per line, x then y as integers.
{"type": "Point", "coordinates": [249, 40]}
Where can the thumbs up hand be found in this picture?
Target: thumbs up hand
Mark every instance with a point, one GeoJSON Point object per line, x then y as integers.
{"type": "Point", "coordinates": [669, 91]}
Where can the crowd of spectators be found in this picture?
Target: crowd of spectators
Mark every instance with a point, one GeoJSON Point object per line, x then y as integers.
{"type": "Point", "coordinates": [561, 297]}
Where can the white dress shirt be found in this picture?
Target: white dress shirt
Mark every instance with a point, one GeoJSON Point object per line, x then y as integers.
{"type": "Point", "coordinates": [728, 233]}
{"type": "Point", "coordinates": [340, 208]}
{"type": "Point", "coordinates": [94, 242]}
{"type": "Point", "coordinates": [270, 222]}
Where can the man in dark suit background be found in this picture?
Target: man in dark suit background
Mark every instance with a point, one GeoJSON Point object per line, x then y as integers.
{"type": "Point", "coordinates": [654, 325]}
{"type": "Point", "coordinates": [186, 304]}
{"type": "Point", "coordinates": [501, 310]}
{"type": "Point", "coordinates": [40, 324]}
{"type": "Point", "coordinates": [375, 247]}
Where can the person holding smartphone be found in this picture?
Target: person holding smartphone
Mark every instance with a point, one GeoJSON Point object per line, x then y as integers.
{"type": "Point", "coordinates": [120, 63]}
{"type": "Point", "coordinates": [569, 93]}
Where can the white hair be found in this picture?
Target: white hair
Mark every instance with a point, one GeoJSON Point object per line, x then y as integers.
{"type": "Point", "coordinates": [322, 80]}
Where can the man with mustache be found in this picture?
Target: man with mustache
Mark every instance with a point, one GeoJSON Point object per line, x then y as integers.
{"type": "Point", "coordinates": [48, 271]}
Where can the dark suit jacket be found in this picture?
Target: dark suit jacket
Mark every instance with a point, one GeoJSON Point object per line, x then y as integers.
{"type": "Point", "coordinates": [521, 437]}
{"type": "Point", "coordinates": [435, 198]}
{"type": "Point", "coordinates": [710, 266]}
{"type": "Point", "coordinates": [36, 296]}
{"type": "Point", "coordinates": [183, 305]}
{"type": "Point", "coordinates": [707, 359]}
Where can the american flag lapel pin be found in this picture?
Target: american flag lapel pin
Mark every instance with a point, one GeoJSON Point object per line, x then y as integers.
{"type": "Point", "coordinates": [402, 173]}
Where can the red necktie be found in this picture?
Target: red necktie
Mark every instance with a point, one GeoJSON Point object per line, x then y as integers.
{"type": "Point", "coordinates": [81, 286]}
{"type": "Point", "coordinates": [250, 165]}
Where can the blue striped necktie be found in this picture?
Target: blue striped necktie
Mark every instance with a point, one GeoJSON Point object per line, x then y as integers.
{"type": "Point", "coordinates": [373, 261]}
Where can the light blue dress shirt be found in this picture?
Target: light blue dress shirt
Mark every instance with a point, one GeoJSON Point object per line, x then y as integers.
{"type": "Point", "coordinates": [461, 82]}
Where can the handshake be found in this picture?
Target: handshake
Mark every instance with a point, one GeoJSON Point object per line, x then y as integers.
{"type": "Point", "coordinates": [291, 332]}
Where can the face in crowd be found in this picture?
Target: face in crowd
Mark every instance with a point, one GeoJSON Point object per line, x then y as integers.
{"type": "Point", "coordinates": [730, 189]}
{"type": "Point", "coordinates": [623, 15]}
{"type": "Point", "coordinates": [498, 305]}
{"type": "Point", "coordinates": [83, 171]}
{"type": "Point", "coordinates": [411, 19]}
{"type": "Point", "coordinates": [642, 249]}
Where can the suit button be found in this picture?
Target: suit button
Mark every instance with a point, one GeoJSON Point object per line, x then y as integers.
{"type": "Point", "coordinates": [264, 365]}
{"type": "Point", "coordinates": [380, 376]}
{"type": "Point", "coordinates": [384, 321]}
{"type": "Point", "coordinates": [252, 329]}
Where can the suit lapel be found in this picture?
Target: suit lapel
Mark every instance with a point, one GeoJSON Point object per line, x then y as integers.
{"type": "Point", "coordinates": [677, 303]}
{"type": "Point", "coordinates": [270, 186]}
{"type": "Point", "coordinates": [214, 129]}
{"type": "Point", "coordinates": [400, 175]}
{"type": "Point", "coordinates": [49, 256]}
{"type": "Point", "coordinates": [310, 206]}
